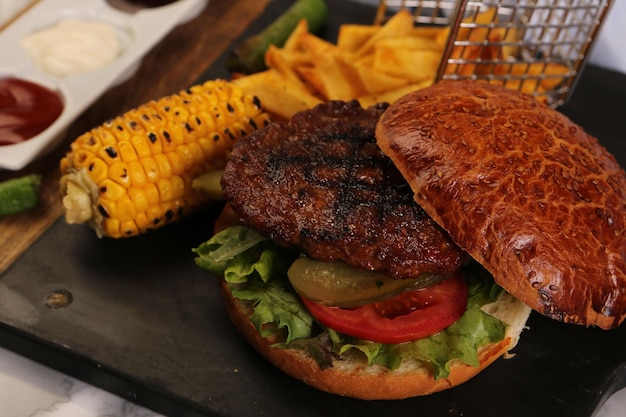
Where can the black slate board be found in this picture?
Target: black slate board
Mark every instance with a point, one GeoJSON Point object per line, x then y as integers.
{"type": "Point", "coordinates": [147, 324]}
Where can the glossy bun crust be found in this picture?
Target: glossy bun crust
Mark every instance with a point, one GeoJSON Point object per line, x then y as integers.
{"type": "Point", "coordinates": [520, 187]}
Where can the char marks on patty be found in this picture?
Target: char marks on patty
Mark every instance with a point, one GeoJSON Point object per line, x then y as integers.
{"type": "Point", "coordinates": [319, 183]}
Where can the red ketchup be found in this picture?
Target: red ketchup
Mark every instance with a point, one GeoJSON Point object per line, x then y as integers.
{"type": "Point", "coordinates": [26, 109]}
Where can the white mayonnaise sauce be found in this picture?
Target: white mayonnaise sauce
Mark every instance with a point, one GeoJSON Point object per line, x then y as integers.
{"type": "Point", "coordinates": [73, 45]}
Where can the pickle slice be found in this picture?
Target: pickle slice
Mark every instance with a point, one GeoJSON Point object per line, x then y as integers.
{"type": "Point", "coordinates": [338, 284]}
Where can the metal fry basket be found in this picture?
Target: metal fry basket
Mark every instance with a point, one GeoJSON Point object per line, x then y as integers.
{"type": "Point", "coordinates": [535, 46]}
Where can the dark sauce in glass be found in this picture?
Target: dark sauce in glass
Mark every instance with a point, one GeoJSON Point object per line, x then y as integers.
{"type": "Point", "coordinates": [26, 109]}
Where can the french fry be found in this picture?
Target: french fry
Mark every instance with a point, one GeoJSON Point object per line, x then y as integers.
{"type": "Point", "coordinates": [552, 74]}
{"type": "Point", "coordinates": [315, 46]}
{"type": "Point", "coordinates": [413, 65]}
{"type": "Point", "coordinates": [279, 95]}
{"type": "Point", "coordinates": [476, 49]}
{"type": "Point", "coordinates": [377, 82]}
{"type": "Point", "coordinates": [527, 86]}
{"type": "Point", "coordinates": [301, 29]}
{"type": "Point", "coordinates": [510, 47]}
{"type": "Point", "coordinates": [541, 76]}
{"type": "Point", "coordinates": [344, 79]}
{"type": "Point", "coordinates": [341, 79]}
{"type": "Point", "coordinates": [409, 43]}
{"type": "Point", "coordinates": [375, 63]}
{"type": "Point", "coordinates": [311, 77]}
{"type": "Point", "coordinates": [430, 32]}
{"type": "Point", "coordinates": [285, 61]}
{"type": "Point", "coordinates": [400, 24]}
{"type": "Point", "coordinates": [391, 95]}
{"type": "Point", "coordinates": [367, 60]}
{"type": "Point", "coordinates": [551, 81]}
{"type": "Point", "coordinates": [352, 37]}
{"type": "Point", "coordinates": [442, 37]}
{"type": "Point", "coordinates": [482, 18]}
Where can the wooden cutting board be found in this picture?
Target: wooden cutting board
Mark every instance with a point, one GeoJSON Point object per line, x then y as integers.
{"type": "Point", "coordinates": [174, 64]}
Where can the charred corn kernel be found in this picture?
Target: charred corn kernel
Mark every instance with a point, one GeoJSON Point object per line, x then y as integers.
{"type": "Point", "coordinates": [134, 173]}
{"type": "Point", "coordinates": [129, 228]}
{"type": "Point", "coordinates": [207, 146]}
{"type": "Point", "coordinates": [150, 169]}
{"type": "Point", "coordinates": [105, 137]}
{"type": "Point", "coordinates": [111, 190]}
{"type": "Point", "coordinates": [142, 221]}
{"type": "Point", "coordinates": [118, 172]}
{"type": "Point", "coordinates": [152, 194]}
{"type": "Point", "coordinates": [164, 167]}
{"type": "Point", "coordinates": [166, 189]}
{"type": "Point", "coordinates": [139, 199]}
{"type": "Point", "coordinates": [127, 151]}
{"type": "Point", "coordinates": [177, 163]}
{"type": "Point", "coordinates": [126, 210]}
{"type": "Point", "coordinates": [111, 227]}
{"type": "Point", "coordinates": [97, 169]}
{"type": "Point", "coordinates": [137, 174]}
{"type": "Point", "coordinates": [140, 143]}
{"type": "Point", "coordinates": [154, 213]}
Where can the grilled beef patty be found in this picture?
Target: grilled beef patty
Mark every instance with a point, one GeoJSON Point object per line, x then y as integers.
{"type": "Point", "coordinates": [319, 183]}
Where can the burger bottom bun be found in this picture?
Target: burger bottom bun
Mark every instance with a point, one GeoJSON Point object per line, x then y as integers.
{"type": "Point", "coordinates": [350, 376]}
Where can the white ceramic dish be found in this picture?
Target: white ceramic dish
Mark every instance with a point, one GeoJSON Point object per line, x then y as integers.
{"type": "Point", "coordinates": [138, 32]}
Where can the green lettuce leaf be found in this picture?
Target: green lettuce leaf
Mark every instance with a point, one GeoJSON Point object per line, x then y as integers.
{"type": "Point", "coordinates": [240, 255]}
{"type": "Point", "coordinates": [460, 341]}
{"type": "Point", "coordinates": [256, 270]}
{"type": "Point", "coordinates": [273, 304]}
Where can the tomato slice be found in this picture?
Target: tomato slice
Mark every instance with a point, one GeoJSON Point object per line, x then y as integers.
{"type": "Point", "coordinates": [409, 316]}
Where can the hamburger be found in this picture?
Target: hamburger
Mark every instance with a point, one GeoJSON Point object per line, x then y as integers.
{"type": "Point", "coordinates": [396, 251]}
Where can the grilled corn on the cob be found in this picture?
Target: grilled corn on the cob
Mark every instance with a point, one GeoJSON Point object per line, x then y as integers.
{"type": "Point", "coordinates": [134, 173]}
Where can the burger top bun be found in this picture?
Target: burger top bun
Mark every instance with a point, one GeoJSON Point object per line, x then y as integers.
{"type": "Point", "coordinates": [520, 187]}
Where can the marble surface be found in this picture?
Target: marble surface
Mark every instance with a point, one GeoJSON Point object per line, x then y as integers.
{"type": "Point", "coordinates": [28, 389]}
